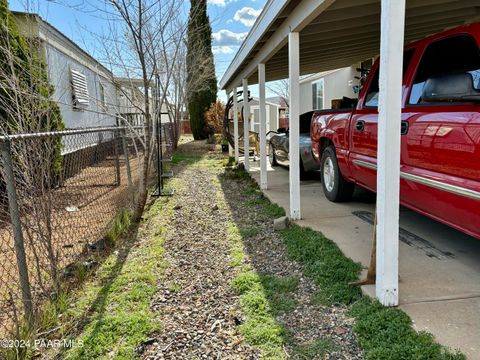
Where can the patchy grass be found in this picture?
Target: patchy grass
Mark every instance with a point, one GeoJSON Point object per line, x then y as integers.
{"type": "Point", "coordinates": [314, 349]}
{"type": "Point", "coordinates": [118, 226]}
{"type": "Point", "coordinates": [115, 305]}
{"type": "Point", "coordinates": [260, 328]}
{"type": "Point", "coordinates": [237, 253]}
{"type": "Point", "coordinates": [273, 210]}
{"type": "Point", "coordinates": [279, 292]}
{"type": "Point", "coordinates": [325, 263]}
{"type": "Point", "coordinates": [383, 333]}
{"type": "Point", "coordinates": [387, 333]}
{"type": "Point", "coordinates": [249, 232]}
{"type": "Point", "coordinates": [254, 197]}
{"type": "Point", "coordinates": [186, 158]}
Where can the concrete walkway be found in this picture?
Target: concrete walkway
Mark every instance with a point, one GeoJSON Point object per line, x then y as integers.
{"type": "Point", "coordinates": [439, 266]}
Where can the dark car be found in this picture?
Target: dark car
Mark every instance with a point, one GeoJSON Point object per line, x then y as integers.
{"type": "Point", "coordinates": [279, 145]}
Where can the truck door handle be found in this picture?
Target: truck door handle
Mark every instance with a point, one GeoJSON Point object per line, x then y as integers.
{"type": "Point", "coordinates": [360, 125]}
{"type": "Point", "coordinates": [404, 128]}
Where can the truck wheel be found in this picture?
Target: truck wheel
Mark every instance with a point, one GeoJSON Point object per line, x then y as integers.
{"type": "Point", "coordinates": [271, 156]}
{"type": "Point", "coordinates": [335, 187]}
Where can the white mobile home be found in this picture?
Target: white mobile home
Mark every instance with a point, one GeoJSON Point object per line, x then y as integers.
{"type": "Point", "coordinates": [318, 90]}
{"type": "Point", "coordinates": [84, 88]}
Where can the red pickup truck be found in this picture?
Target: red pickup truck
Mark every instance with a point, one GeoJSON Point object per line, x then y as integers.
{"type": "Point", "coordinates": [440, 127]}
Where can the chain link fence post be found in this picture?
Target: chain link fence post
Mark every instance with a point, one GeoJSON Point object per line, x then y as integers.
{"type": "Point", "coordinates": [117, 157]}
{"type": "Point", "coordinates": [127, 162]}
{"type": "Point", "coordinates": [8, 175]}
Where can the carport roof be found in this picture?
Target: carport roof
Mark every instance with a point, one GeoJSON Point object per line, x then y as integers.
{"type": "Point", "coordinates": [333, 33]}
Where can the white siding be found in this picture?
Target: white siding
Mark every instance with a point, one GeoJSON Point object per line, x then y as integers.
{"type": "Point", "coordinates": [306, 97]}
{"type": "Point", "coordinates": [59, 65]}
{"type": "Point", "coordinates": [336, 86]}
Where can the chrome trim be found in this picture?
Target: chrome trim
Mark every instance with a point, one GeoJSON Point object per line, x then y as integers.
{"type": "Point", "coordinates": [453, 189]}
{"type": "Point", "coordinates": [365, 164]}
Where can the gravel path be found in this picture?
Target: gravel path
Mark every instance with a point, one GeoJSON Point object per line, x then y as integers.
{"type": "Point", "coordinates": [196, 305]}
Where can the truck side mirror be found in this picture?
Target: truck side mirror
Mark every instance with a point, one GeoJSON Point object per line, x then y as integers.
{"type": "Point", "coordinates": [450, 88]}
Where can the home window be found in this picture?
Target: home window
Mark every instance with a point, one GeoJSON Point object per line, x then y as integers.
{"type": "Point", "coordinates": [103, 103]}
{"type": "Point", "coordinates": [317, 95]}
{"type": "Point", "coordinates": [80, 97]}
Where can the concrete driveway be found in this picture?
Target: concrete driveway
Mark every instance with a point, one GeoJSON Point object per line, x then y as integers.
{"type": "Point", "coordinates": [439, 266]}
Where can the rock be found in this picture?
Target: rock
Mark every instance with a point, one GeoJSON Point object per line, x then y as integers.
{"type": "Point", "coordinates": [99, 245]}
{"type": "Point", "coordinates": [215, 207]}
{"type": "Point", "coordinates": [280, 223]}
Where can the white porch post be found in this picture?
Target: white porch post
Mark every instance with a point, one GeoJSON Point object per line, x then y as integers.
{"type": "Point", "coordinates": [294, 124]}
{"type": "Point", "coordinates": [388, 174]}
{"type": "Point", "coordinates": [263, 127]}
{"type": "Point", "coordinates": [235, 124]}
{"type": "Point", "coordinates": [246, 125]}
{"type": "Point", "coordinates": [230, 150]}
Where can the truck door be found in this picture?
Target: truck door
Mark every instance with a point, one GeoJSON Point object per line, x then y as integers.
{"type": "Point", "coordinates": [363, 136]}
{"type": "Point", "coordinates": [441, 147]}
{"type": "Point", "coordinates": [363, 130]}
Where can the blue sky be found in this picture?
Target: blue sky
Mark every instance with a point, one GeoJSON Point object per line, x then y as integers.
{"type": "Point", "coordinates": [231, 20]}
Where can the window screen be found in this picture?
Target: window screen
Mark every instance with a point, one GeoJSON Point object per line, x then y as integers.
{"type": "Point", "coordinates": [374, 90]}
{"type": "Point", "coordinates": [80, 95]}
{"type": "Point", "coordinates": [103, 101]}
{"type": "Point", "coordinates": [317, 95]}
{"type": "Point", "coordinates": [457, 54]}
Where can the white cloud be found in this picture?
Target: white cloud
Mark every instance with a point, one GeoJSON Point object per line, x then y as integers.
{"type": "Point", "coordinates": [247, 15]}
{"type": "Point", "coordinates": [222, 50]}
{"type": "Point", "coordinates": [216, 2]}
{"type": "Point", "coordinates": [226, 37]}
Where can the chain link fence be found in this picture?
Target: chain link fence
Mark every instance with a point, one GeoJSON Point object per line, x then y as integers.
{"type": "Point", "coordinates": [60, 195]}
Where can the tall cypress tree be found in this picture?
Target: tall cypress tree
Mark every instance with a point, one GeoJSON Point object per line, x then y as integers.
{"type": "Point", "coordinates": [200, 68]}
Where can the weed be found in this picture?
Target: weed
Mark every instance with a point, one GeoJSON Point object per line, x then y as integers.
{"type": "Point", "coordinates": [313, 349]}
{"type": "Point", "coordinates": [119, 224]}
{"type": "Point", "coordinates": [248, 232]}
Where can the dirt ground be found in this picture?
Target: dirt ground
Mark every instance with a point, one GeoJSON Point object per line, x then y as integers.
{"type": "Point", "coordinates": [82, 209]}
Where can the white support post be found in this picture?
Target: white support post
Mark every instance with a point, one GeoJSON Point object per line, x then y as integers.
{"type": "Point", "coordinates": [388, 174]}
{"type": "Point", "coordinates": [230, 151]}
{"type": "Point", "coordinates": [294, 124]}
{"type": "Point", "coordinates": [246, 126]}
{"type": "Point", "coordinates": [263, 127]}
{"type": "Point", "coordinates": [235, 124]}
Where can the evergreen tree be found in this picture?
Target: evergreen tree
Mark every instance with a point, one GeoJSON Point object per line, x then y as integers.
{"type": "Point", "coordinates": [201, 78]}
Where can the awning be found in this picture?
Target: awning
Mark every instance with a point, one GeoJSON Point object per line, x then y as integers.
{"type": "Point", "coordinates": [333, 34]}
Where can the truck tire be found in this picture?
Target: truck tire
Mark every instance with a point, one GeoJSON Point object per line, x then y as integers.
{"type": "Point", "coordinates": [271, 155]}
{"type": "Point", "coordinates": [335, 187]}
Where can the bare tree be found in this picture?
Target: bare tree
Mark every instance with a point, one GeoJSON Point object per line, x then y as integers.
{"type": "Point", "coordinates": [154, 40]}
{"type": "Point", "coordinates": [281, 89]}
